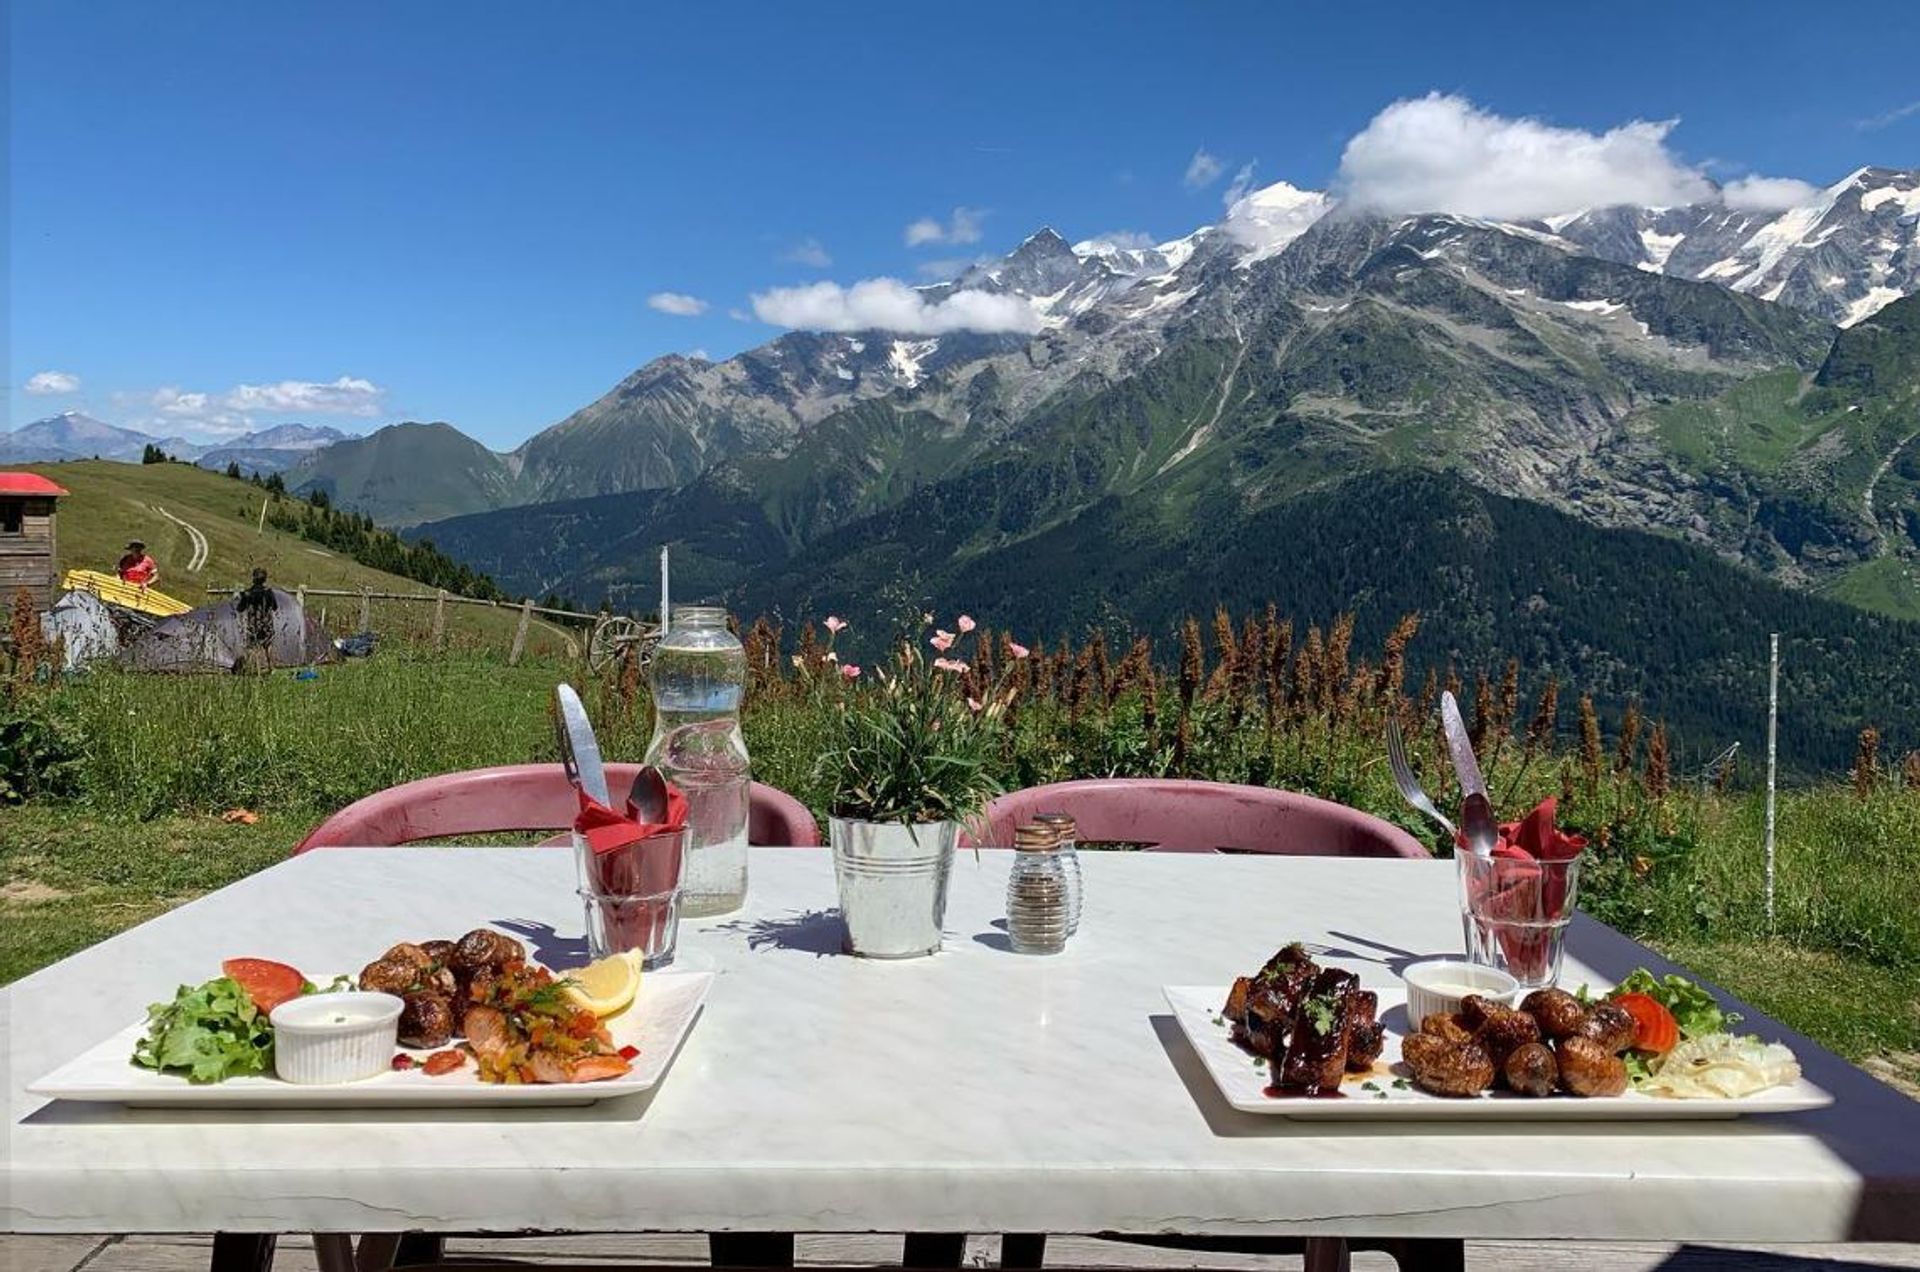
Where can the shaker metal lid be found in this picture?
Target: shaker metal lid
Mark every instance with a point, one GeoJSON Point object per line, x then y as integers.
{"type": "Point", "coordinates": [1035, 837]}
{"type": "Point", "coordinates": [1062, 823]}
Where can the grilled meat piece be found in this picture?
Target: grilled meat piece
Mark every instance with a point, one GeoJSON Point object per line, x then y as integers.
{"type": "Point", "coordinates": [1446, 1025]}
{"type": "Point", "coordinates": [1610, 1025]}
{"type": "Point", "coordinates": [1454, 1069]}
{"type": "Point", "coordinates": [389, 976]}
{"type": "Point", "coordinates": [408, 952]}
{"type": "Point", "coordinates": [1366, 1036]}
{"type": "Point", "coordinates": [1262, 1011]}
{"type": "Point", "coordinates": [484, 947]}
{"type": "Point", "coordinates": [1531, 1069]}
{"type": "Point", "coordinates": [1587, 1068]}
{"type": "Point", "coordinates": [1558, 1013]}
{"type": "Point", "coordinates": [1474, 1010]}
{"type": "Point", "coordinates": [1503, 1029]}
{"type": "Point", "coordinates": [1316, 1057]}
{"type": "Point", "coordinates": [441, 952]}
{"type": "Point", "coordinates": [426, 1021]}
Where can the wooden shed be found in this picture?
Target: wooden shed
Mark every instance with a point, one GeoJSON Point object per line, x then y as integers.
{"type": "Point", "coordinates": [26, 538]}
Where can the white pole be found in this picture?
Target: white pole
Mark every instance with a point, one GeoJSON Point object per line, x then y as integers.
{"type": "Point", "coordinates": [663, 590]}
{"type": "Point", "coordinates": [1773, 721]}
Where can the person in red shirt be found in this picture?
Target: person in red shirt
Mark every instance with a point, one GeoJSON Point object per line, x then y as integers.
{"type": "Point", "coordinates": [137, 568]}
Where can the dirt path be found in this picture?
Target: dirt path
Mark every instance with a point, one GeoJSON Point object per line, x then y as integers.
{"type": "Point", "coordinates": [198, 560]}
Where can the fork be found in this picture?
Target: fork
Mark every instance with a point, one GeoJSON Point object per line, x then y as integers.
{"type": "Point", "coordinates": [1409, 784]}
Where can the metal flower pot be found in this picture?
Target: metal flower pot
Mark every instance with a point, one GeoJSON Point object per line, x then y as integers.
{"type": "Point", "coordinates": [893, 884]}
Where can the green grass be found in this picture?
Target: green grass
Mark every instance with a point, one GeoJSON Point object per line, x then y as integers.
{"type": "Point", "coordinates": [111, 503]}
{"type": "Point", "coordinates": [1757, 424]}
{"type": "Point", "coordinates": [1885, 585]}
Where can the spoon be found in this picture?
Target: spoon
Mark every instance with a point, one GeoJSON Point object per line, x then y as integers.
{"type": "Point", "coordinates": [1477, 824]}
{"type": "Point", "coordinates": [649, 795]}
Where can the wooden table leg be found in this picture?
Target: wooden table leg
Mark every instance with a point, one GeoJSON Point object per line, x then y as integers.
{"type": "Point", "coordinates": [377, 1251]}
{"type": "Point", "coordinates": [1328, 1254]}
{"type": "Point", "coordinates": [242, 1252]}
{"type": "Point", "coordinates": [1024, 1250]}
{"type": "Point", "coordinates": [416, 1248]}
{"type": "Point", "coordinates": [933, 1250]}
{"type": "Point", "coordinates": [333, 1251]}
{"type": "Point", "coordinates": [750, 1249]}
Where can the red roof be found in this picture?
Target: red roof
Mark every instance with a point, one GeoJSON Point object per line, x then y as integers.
{"type": "Point", "coordinates": [27, 484]}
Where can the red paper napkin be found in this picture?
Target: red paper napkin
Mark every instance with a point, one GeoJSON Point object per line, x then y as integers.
{"type": "Point", "coordinates": [620, 859]}
{"type": "Point", "coordinates": [1515, 887]}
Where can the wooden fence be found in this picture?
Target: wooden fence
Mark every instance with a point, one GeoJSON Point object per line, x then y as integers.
{"type": "Point", "coordinates": [440, 600]}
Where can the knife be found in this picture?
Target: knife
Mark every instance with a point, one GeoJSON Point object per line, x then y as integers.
{"type": "Point", "coordinates": [1465, 767]}
{"type": "Point", "coordinates": [579, 751]}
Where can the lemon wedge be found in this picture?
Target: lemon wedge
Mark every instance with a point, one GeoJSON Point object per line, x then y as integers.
{"type": "Point", "coordinates": [605, 986]}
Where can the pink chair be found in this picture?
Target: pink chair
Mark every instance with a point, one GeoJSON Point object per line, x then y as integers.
{"type": "Point", "coordinates": [518, 797]}
{"type": "Point", "coordinates": [1174, 815]}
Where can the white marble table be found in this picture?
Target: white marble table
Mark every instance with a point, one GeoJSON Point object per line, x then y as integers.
{"type": "Point", "coordinates": [975, 1091]}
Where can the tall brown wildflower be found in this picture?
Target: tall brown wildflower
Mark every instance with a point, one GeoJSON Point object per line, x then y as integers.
{"type": "Point", "coordinates": [1866, 761]}
{"type": "Point", "coordinates": [1308, 696]}
{"type": "Point", "coordinates": [1508, 706]}
{"type": "Point", "coordinates": [1249, 665]}
{"type": "Point", "coordinates": [1334, 668]}
{"type": "Point", "coordinates": [1279, 651]}
{"type": "Point", "coordinates": [1227, 650]}
{"type": "Point", "coordinates": [1150, 704]}
{"type": "Point", "coordinates": [1393, 664]}
{"type": "Point", "coordinates": [1483, 711]}
{"type": "Point", "coordinates": [1659, 770]}
{"type": "Point", "coordinates": [1590, 745]}
{"type": "Point", "coordinates": [1132, 669]}
{"type": "Point", "coordinates": [1039, 671]}
{"type": "Point", "coordinates": [1429, 695]}
{"type": "Point", "coordinates": [809, 650]}
{"type": "Point", "coordinates": [1629, 743]}
{"type": "Point", "coordinates": [985, 654]}
{"type": "Point", "coordinates": [1192, 663]}
{"type": "Point", "coordinates": [24, 630]}
{"type": "Point", "coordinates": [1540, 729]}
{"type": "Point", "coordinates": [1453, 685]}
{"type": "Point", "coordinates": [1910, 771]}
{"type": "Point", "coordinates": [1099, 668]}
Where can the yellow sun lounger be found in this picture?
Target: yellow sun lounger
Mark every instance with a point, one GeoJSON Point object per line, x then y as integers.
{"type": "Point", "coordinates": [110, 589]}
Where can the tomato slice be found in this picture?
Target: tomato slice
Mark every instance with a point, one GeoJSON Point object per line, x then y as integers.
{"type": "Point", "coordinates": [1655, 1029]}
{"type": "Point", "coordinates": [268, 983]}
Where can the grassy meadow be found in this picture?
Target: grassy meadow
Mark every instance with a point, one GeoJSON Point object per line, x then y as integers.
{"type": "Point", "coordinates": [120, 795]}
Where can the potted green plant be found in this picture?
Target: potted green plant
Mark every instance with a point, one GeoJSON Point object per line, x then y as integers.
{"type": "Point", "coordinates": [910, 761]}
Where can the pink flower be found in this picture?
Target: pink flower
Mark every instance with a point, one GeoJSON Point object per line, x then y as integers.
{"type": "Point", "coordinates": [942, 640]}
{"type": "Point", "coordinates": [1018, 650]}
{"type": "Point", "coordinates": [965, 624]}
{"type": "Point", "coordinates": [949, 664]}
{"type": "Point", "coordinates": [836, 625]}
{"type": "Point", "coordinates": [973, 704]}
{"type": "Point", "coordinates": [849, 671]}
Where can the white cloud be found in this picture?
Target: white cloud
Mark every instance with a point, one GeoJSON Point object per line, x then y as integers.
{"type": "Point", "coordinates": [809, 252]}
{"type": "Point", "coordinates": [963, 228]}
{"type": "Point", "coordinates": [700, 354]}
{"type": "Point", "coordinates": [739, 315]}
{"type": "Point", "coordinates": [1441, 153]}
{"type": "Point", "coordinates": [1202, 170]}
{"type": "Point", "coordinates": [1238, 187]}
{"type": "Point", "coordinates": [43, 382]}
{"type": "Point", "coordinates": [1271, 217]}
{"type": "Point", "coordinates": [348, 395]}
{"type": "Point", "coordinates": [679, 304]}
{"type": "Point", "coordinates": [1893, 116]}
{"type": "Point", "coordinates": [887, 304]}
{"type": "Point", "coordinates": [1767, 194]}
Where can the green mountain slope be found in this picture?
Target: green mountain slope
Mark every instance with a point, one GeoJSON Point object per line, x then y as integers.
{"type": "Point", "coordinates": [408, 473]}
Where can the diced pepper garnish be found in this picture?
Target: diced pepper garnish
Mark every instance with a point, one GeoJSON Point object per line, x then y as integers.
{"type": "Point", "coordinates": [628, 1053]}
{"type": "Point", "coordinates": [402, 1062]}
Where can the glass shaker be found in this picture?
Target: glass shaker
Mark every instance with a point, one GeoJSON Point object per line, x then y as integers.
{"type": "Point", "coordinates": [698, 674]}
{"type": "Point", "coordinates": [1036, 893]}
{"type": "Point", "coordinates": [1066, 839]}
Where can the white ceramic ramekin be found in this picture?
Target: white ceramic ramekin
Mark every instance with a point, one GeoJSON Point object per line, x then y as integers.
{"type": "Point", "coordinates": [1439, 985]}
{"type": "Point", "coordinates": [335, 1037]}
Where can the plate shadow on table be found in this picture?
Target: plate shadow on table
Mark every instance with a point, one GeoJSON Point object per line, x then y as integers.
{"type": "Point", "coordinates": [1869, 1126]}
{"type": "Point", "coordinates": [1700, 1258]}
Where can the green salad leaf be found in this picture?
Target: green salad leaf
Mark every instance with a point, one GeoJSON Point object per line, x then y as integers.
{"type": "Point", "coordinates": [208, 1032]}
{"type": "Point", "coordinates": [1696, 1011]}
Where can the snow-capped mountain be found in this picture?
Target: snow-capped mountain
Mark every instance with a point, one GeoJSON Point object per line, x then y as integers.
{"type": "Point", "coordinates": [1844, 255]}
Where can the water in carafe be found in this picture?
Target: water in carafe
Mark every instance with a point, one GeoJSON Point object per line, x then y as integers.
{"type": "Point", "coordinates": [698, 674]}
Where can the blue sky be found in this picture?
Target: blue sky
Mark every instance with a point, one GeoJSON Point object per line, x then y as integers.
{"type": "Point", "coordinates": [231, 216]}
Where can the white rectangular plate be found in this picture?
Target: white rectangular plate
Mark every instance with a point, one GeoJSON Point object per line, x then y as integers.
{"type": "Point", "coordinates": [1244, 1085]}
{"type": "Point", "coordinates": [657, 1023]}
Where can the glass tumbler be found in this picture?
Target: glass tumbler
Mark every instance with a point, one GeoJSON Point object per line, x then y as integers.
{"type": "Point", "coordinates": [632, 896]}
{"type": "Point", "coordinates": [1514, 913]}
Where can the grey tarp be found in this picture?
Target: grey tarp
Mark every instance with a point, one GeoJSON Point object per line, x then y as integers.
{"type": "Point", "coordinates": [83, 626]}
{"type": "Point", "coordinates": [214, 638]}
